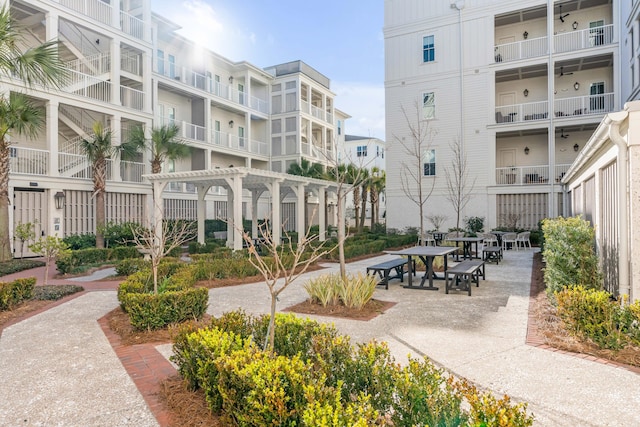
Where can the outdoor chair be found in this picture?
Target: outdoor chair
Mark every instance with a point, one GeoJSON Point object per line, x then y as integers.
{"type": "Point", "coordinates": [523, 239]}
{"type": "Point", "coordinates": [426, 239]}
{"type": "Point", "coordinates": [509, 240]}
{"type": "Point", "coordinates": [489, 239]}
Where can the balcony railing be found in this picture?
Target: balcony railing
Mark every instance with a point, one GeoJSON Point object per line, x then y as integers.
{"type": "Point", "coordinates": [205, 83]}
{"type": "Point", "coordinates": [235, 142]}
{"type": "Point", "coordinates": [28, 161]}
{"type": "Point", "coordinates": [565, 107]}
{"type": "Point", "coordinates": [93, 65]}
{"type": "Point", "coordinates": [78, 166]}
{"type": "Point", "coordinates": [584, 105]}
{"type": "Point", "coordinates": [529, 175]}
{"type": "Point", "coordinates": [583, 39]}
{"type": "Point", "coordinates": [132, 98]}
{"type": "Point", "coordinates": [132, 25]}
{"type": "Point", "coordinates": [530, 48]}
{"type": "Point", "coordinates": [181, 187]}
{"type": "Point", "coordinates": [131, 63]}
{"type": "Point", "coordinates": [101, 11]}
{"type": "Point", "coordinates": [87, 86]}
{"type": "Point", "coordinates": [132, 171]}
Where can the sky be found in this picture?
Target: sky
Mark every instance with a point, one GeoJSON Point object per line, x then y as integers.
{"type": "Point", "coordinates": [339, 38]}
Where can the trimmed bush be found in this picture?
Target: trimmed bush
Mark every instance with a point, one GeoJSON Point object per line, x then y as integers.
{"type": "Point", "coordinates": [55, 292]}
{"type": "Point", "coordinates": [16, 265]}
{"type": "Point", "coordinates": [155, 311]}
{"type": "Point", "coordinates": [569, 252]}
{"type": "Point", "coordinates": [15, 292]}
{"type": "Point", "coordinates": [68, 264]}
{"type": "Point", "coordinates": [126, 267]}
{"type": "Point", "coordinates": [356, 292]}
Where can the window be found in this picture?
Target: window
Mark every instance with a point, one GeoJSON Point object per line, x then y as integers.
{"type": "Point", "coordinates": [429, 163]}
{"type": "Point", "coordinates": [339, 127]}
{"type": "Point", "coordinates": [596, 96]}
{"type": "Point", "coordinates": [428, 49]}
{"type": "Point", "coordinates": [428, 105]}
{"type": "Point", "coordinates": [241, 139]}
{"type": "Point", "coordinates": [172, 66]}
{"type": "Point", "coordinates": [361, 151]}
{"type": "Point", "coordinates": [596, 33]}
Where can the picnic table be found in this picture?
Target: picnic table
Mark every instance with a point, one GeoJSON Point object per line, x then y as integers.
{"type": "Point", "coordinates": [427, 254]}
{"type": "Point", "coordinates": [466, 245]}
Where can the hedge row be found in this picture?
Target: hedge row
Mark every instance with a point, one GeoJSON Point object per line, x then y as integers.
{"type": "Point", "coordinates": [13, 293]}
{"type": "Point", "coordinates": [176, 301]}
{"type": "Point", "coordinates": [67, 264]}
{"type": "Point", "coordinates": [366, 244]}
{"type": "Point", "coordinates": [315, 377]}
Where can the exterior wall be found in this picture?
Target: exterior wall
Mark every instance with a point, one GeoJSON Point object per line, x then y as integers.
{"type": "Point", "coordinates": [475, 80]}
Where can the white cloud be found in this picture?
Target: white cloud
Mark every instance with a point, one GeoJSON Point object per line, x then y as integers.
{"type": "Point", "coordinates": [365, 104]}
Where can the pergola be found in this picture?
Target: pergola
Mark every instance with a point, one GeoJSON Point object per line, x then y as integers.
{"type": "Point", "coordinates": [257, 181]}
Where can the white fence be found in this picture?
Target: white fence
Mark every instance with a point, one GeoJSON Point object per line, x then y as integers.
{"type": "Point", "coordinates": [28, 161]}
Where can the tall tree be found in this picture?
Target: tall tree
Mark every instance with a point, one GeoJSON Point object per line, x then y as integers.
{"type": "Point", "coordinates": [365, 187]}
{"type": "Point", "coordinates": [98, 149]}
{"type": "Point", "coordinates": [420, 138]}
{"type": "Point", "coordinates": [353, 177]}
{"type": "Point", "coordinates": [38, 65]}
{"type": "Point", "coordinates": [163, 143]}
{"type": "Point", "coordinates": [457, 175]}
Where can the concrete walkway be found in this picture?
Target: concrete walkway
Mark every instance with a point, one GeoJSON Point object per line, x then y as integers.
{"type": "Point", "coordinates": [59, 369]}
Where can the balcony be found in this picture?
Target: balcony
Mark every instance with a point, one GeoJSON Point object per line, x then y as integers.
{"type": "Point", "coordinates": [524, 49]}
{"type": "Point", "coordinates": [563, 108]}
{"type": "Point", "coordinates": [102, 11]}
{"type": "Point", "coordinates": [28, 161]}
{"type": "Point", "coordinates": [583, 39]}
{"type": "Point", "coordinates": [529, 175]}
{"type": "Point", "coordinates": [234, 142]}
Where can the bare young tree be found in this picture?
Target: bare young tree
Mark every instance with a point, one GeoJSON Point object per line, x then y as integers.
{"type": "Point", "coordinates": [457, 175]}
{"type": "Point", "coordinates": [286, 264]}
{"type": "Point", "coordinates": [437, 220]}
{"type": "Point", "coordinates": [160, 239]}
{"type": "Point", "coordinates": [412, 169]}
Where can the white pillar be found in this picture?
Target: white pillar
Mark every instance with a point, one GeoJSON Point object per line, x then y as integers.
{"type": "Point", "coordinates": [52, 136]}
{"type": "Point", "coordinates": [322, 217]}
{"type": "Point", "coordinates": [238, 229]}
{"type": "Point", "coordinates": [116, 141]}
{"type": "Point", "coordinates": [299, 191]}
{"type": "Point", "coordinates": [202, 211]}
{"type": "Point", "coordinates": [255, 196]}
{"type": "Point", "coordinates": [276, 220]}
{"type": "Point", "coordinates": [230, 213]}
{"type": "Point", "coordinates": [114, 48]}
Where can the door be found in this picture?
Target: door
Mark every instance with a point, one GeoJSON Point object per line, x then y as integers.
{"type": "Point", "coordinates": [172, 66]}
{"type": "Point", "coordinates": [506, 163]}
{"type": "Point", "coordinates": [596, 33]}
{"type": "Point", "coordinates": [241, 93]}
{"type": "Point", "coordinates": [507, 109]}
{"type": "Point", "coordinates": [216, 128]}
{"type": "Point", "coordinates": [241, 138]}
{"type": "Point", "coordinates": [596, 96]}
{"type": "Point", "coordinates": [29, 206]}
{"type": "Point", "coordinates": [160, 58]}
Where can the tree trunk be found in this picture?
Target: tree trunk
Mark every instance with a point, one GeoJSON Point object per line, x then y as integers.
{"type": "Point", "coordinates": [374, 200]}
{"type": "Point", "coordinates": [5, 242]}
{"type": "Point", "coordinates": [272, 321]}
{"type": "Point", "coordinates": [99, 185]}
{"type": "Point", "coordinates": [356, 203]}
{"type": "Point", "coordinates": [341, 235]}
{"type": "Point", "coordinates": [363, 214]}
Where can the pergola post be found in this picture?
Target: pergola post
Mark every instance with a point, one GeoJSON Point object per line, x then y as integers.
{"type": "Point", "coordinates": [201, 212]}
{"type": "Point", "coordinates": [158, 211]}
{"type": "Point", "coordinates": [322, 213]}
{"type": "Point", "coordinates": [255, 196]}
{"type": "Point", "coordinates": [301, 206]}
{"type": "Point", "coordinates": [276, 220]}
{"type": "Point", "coordinates": [238, 226]}
{"type": "Point", "coordinates": [230, 213]}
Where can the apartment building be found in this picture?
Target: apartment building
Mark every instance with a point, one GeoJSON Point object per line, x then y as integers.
{"type": "Point", "coordinates": [128, 67]}
{"type": "Point", "coordinates": [519, 85]}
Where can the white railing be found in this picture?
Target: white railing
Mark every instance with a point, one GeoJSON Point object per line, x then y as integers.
{"type": "Point", "coordinates": [329, 117]}
{"type": "Point", "coordinates": [131, 62]}
{"type": "Point", "coordinates": [522, 175]}
{"type": "Point", "coordinates": [259, 147]}
{"type": "Point", "coordinates": [317, 112]}
{"type": "Point", "coordinates": [259, 105]}
{"type": "Point", "coordinates": [80, 117]}
{"type": "Point", "coordinates": [237, 96]}
{"type": "Point", "coordinates": [74, 165]}
{"type": "Point", "coordinates": [132, 25]}
{"type": "Point", "coordinates": [305, 148]}
{"type": "Point", "coordinates": [304, 107]}
{"type": "Point", "coordinates": [583, 105]}
{"type": "Point", "coordinates": [583, 39]}
{"type": "Point", "coordinates": [191, 131]}
{"type": "Point", "coordinates": [96, 9]}
{"type": "Point", "coordinates": [93, 65]}
{"type": "Point", "coordinates": [132, 98]}
{"type": "Point", "coordinates": [561, 170]}
{"type": "Point", "coordinates": [131, 171]}
{"type": "Point", "coordinates": [87, 86]}
{"type": "Point", "coordinates": [522, 112]}
{"type": "Point", "coordinates": [29, 161]}
{"type": "Point", "coordinates": [181, 187]}
{"type": "Point", "coordinates": [531, 48]}
{"type": "Point", "coordinates": [72, 146]}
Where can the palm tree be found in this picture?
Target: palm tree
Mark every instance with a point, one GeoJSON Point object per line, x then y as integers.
{"type": "Point", "coordinates": [365, 186]}
{"type": "Point", "coordinates": [38, 65]}
{"type": "Point", "coordinates": [164, 144]}
{"type": "Point", "coordinates": [353, 174]}
{"type": "Point", "coordinates": [310, 170]}
{"type": "Point", "coordinates": [378, 182]}
{"type": "Point", "coordinates": [19, 115]}
{"type": "Point", "coordinates": [98, 149]}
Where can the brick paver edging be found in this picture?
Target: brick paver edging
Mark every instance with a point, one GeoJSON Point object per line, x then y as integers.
{"type": "Point", "coordinates": [146, 367]}
{"type": "Point", "coordinates": [535, 338]}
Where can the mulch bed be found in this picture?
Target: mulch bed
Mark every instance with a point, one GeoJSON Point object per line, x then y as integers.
{"type": "Point", "coordinates": [372, 309]}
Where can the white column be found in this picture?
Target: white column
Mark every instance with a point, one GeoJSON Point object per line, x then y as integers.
{"type": "Point", "coordinates": [299, 191]}
{"type": "Point", "coordinates": [116, 140]}
{"type": "Point", "coordinates": [276, 220]}
{"type": "Point", "coordinates": [207, 121]}
{"type": "Point", "coordinates": [255, 196]}
{"type": "Point", "coordinates": [146, 18]}
{"type": "Point", "coordinates": [230, 213]}
{"type": "Point", "coordinates": [238, 229]}
{"type": "Point", "coordinates": [149, 85]}
{"type": "Point", "coordinates": [114, 48]}
{"type": "Point", "coordinates": [115, 15]}
{"type": "Point", "coordinates": [52, 136]}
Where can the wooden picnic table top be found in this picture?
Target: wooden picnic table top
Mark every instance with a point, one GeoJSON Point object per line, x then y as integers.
{"type": "Point", "coordinates": [424, 251]}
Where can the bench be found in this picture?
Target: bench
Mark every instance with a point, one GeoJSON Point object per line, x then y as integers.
{"type": "Point", "coordinates": [464, 274]}
{"type": "Point", "coordinates": [384, 270]}
{"type": "Point", "coordinates": [492, 254]}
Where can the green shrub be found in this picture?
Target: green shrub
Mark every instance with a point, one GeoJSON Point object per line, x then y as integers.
{"type": "Point", "coordinates": [80, 241]}
{"type": "Point", "coordinates": [569, 253]}
{"type": "Point", "coordinates": [16, 265]}
{"type": "Point", "coordinates": [591, 314]}
{"type": "Point", "coordinates": [155, 311]}
{"type": "Point", "coordinates": [486, 410]}
{"type": "Point", "coordinates": [15, 292]}
{"type": "Point", "coordinates": [128, 266]}
{"type": "Point", "coordinates": [333, 412]}
{"type": "Point", "coordinates": [55, 292]}
{"type": "Point", "coordinates": [474, 224]}
{"type": "Point", "coordinates": [124, 252]}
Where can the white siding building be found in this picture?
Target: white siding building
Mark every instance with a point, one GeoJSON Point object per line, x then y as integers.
{"type": "Point", "coordinates": [128, 67]}
{"type": "Point", "coordinates": [520, 84]}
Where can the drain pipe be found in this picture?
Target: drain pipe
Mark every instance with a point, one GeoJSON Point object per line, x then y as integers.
{"type": "Point", "coordinates": [614, 120]}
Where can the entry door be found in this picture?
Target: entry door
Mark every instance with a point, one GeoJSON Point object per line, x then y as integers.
{"type": "Point", "coordinates": [29, 206]}
{"type": "Point", "coordinates": [507, 157]}
{"type": "Point", "coordinates": [507, 98]}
